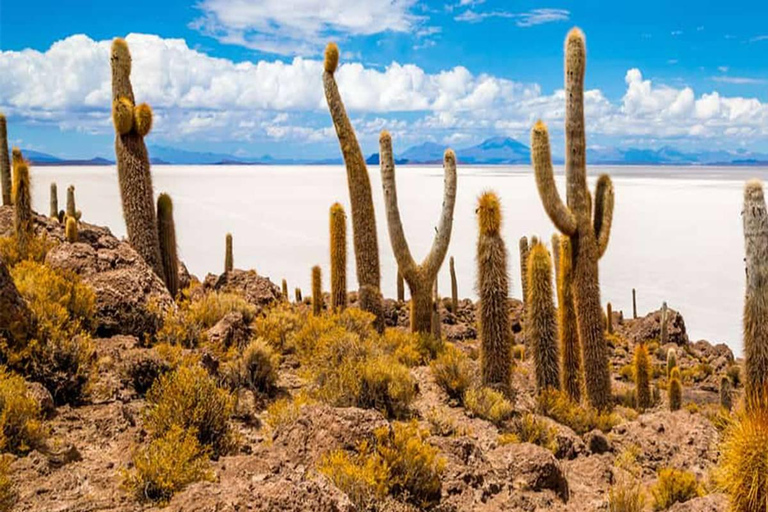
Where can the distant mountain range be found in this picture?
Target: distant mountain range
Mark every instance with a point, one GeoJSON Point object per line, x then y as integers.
{"type": "Point", "coordinates": [494, 151]}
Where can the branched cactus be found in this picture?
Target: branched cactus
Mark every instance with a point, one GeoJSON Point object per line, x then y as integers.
{"type": "Point", "coordinates": [671, 361]}
{"type": "Point", "coordinates": [589, 233]}
{"type": "Point", "coordinates": [675, 390]}
{"type": "Point", "coordinates": [609, 318]}
{"type": "Point", "coordinates": [726, 393]}
{"type": "Point", "coordinates": [338, 228]}
{"type": "Point", "coordinates": [493, 291]}
{"type": "Point", "coordinates": [229, 258]}
{"type": "Point", "coordinates": [363, 215]}
{"type": "Point", "coordinates": [317, 290]}
{"type": "Point", "coordinates": [755, 220]}
{"type": "Point", "coordinates": [454, 289]}
{"type": "Point", "coordinates": [567, 328]}
{"type": "Point", "coordinates": [634, 303]}
{"type": "Point", "coordinates": [23, 221]}
{"type": "Point", "coordinates": [400, 287]}
{"type": "Point", "coordinates": [420, 277]}
{"type": "Point", "coordinates": [524, 250]}
{"type": "Point", "coordinates": [284, 290]}
{"type": "Point", "coordinates": [644, 399]}
{"type": "Point", "coordinates": [297, 296]}
{"type": "Point", "coordinates": [5, 163]}
{"type": "Point", "coordinates": [53, 211]}
{"type": "Point", "coordinates": [132, 123]}
{"type": "Point", "coordinates": [71, 230]}
{"type": "Point", "coordinates": [540, 320]}
{"type": "Point", "coordinates": [166, 231]}
{"type": "Point", "coordinates": [664, 339]}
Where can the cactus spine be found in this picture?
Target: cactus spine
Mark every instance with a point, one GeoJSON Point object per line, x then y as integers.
{"type": "Point", "coordinates": [317, 290]}
{"type": "Point", "coordinates": [23, 222]}
{"type": "Point", "coordinates": [664, 338]}
{"type": "Point", "coordinates": [54, 202]}
{"type": "Point", "coordinates": [675, 390]}
{"type": "Point", "coordinates": [400, 287]}
{"type": "Point", "coordinates": [568, 329]}
{"type": "Point", "coordinates": [634, 304]}
{"type": "Point", "coordinates": [589, 233]}
{"type": "Point", "coordinates": [166, 231]}
{"type": "Point", "coordinates": [132, 123]}
{"type": "Point", "coordinates": [284, 289]}
{"type": "Point", "coordinates": [420, 277]}
{"type": "Point", "coordinates": [297, 293]}
{"type": "Point", "coordinates": [540, 320]}
{"type": "Point", "coordinates": [609, 318]}
{"type": "Point", "coordinates": [524, 250]}
{"type": "Point", "coordinates": [454, 289]}
{"type": "Point", "coordinates": [363, 215]}
{"type": "Point", "coordinates": [229, 258]}
{"type": "Point", "coordinates": [493, 291]}
{"type": "Point", "coordinates": [755, 221]}
{"type": "Point", "coordinates": [671, 361]}
{"type": "Point", "coordinates": [5, 163]}
{"type": "Point", "coordinates": [71, 230]}
{"type": "Point", "coordinates": [726, 393]}
{"type": "Point", "coordinates": [642, 377]}
{"type": "Point", "coordinates": [338, 223]}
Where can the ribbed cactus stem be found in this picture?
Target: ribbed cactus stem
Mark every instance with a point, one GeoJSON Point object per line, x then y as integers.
{"type": "Point", "coordinates": [572, 378]}
{"type": "Point", "coordinates": [229, 258]}
{"type": "Point", "coordinates": [755, 329]}
{"type": "Point", "coordinates": [400, 287]}
{"type": "Point", "coordinates": [664, 339]}
{"type": "Point", "coordinates": [53, 211]}
{"type": "Point", "coordinates": [71, 230]}
{"type": "Point", "coordinates": [361, 201]}
{"type": "Point", "coordinates": [437, 331]}
{"type": "Point", "coordinates": [338, 243]}
{"type": "Point", "coordinates": [166, 230]}
{"type": "Point", "coordinates": [454, 289]}
{"type": "Point", "coordinates": [726, 393]}
{"type": "Point", "coordinates": [71, 206]}
{"type": "Point", "coordinates": [642, 377]}
{"type": "Point", "coordinates": [609, 318]}
{"type": "Point", "coordinates": [634, 304]}
{"type": "Point", "coordinates": [297, 296]}
{"type": "Point", "coordinates": [132, 123]}
{"type": "Point", "coordinates": [589, 230]}
{"type": "Point", "coordinates": [317, 290]}
{"type": "Point", "coordinates": [524, 250]}
{"type": "Point", "coordinates": [555, 242]}
{"type": "Point", "coordinates": [675, 390]}
{"type": "Point", "coordinates": [23, 222]}
{"type": "Point", "coordinates": [493, 291]}
{"type": "Point", "coordinates": [5, 163]}
{"type": "Point", "coordinates": [540, 320]}
{"type": "Point", "coordinates": [420, 277]}
{"type": "Point", "coordinates": [284, 290]}
{"type": "Point", "coordinates": [671, 361]}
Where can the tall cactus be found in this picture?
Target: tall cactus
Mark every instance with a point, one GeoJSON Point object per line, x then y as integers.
{"type": "Point", "coordinates": [454, 289]}
{"type": "Point", "coordinates": [53, 210]}
{"type": "Point", "coordinates": [493, 291]}
{"type": "Point", "coordinates": [23, 221]}
{"type": "Point", "coordinates": [317, 290]}
{"type": "Point", "coordinates": [589, 233]}
{"type": "Point", "coordinates": [664, 338]}
{"type": "Point", "coordinates": [524, 251]}
{"type": "Point", "coordinates": [540, 320]}
{"type": "Point", "coordinates": [567, 326]}
{"type": "Point", "coordinates": [71, 206]}
{"type": "Point", "coordinates": [297, 295]}
{"type": "Point", "coordinates": [756, 296]}
{"type": "Point", "coordinates": [609, 318]}
{"type": "Point", "coordinates": [363, 216]}
{"type": "Point", "coordinates": [338, 229]}
{"type": "Point", "coordinates": [634, 303]}
{"type": "Point", "coordinates": [166, 231]}
{"type": "Point", "coordinates": [229, 257]}
{"type": "Point", "coordinates": [420, 277]}
{"type": "Point", "coordinates": [5, 163]}
{"type": "Point", "coordinates": [400, 287]}
{"type": "Point", "coordinates": [132, 124]}
{"type": "Point", "coordinates": [70, 230]}
{"type": "Point", "coordinates": [284, 290]}
{"type": "Point", "coordinates": [642, 377]}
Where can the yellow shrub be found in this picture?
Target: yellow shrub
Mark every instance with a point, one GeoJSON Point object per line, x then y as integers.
{"type": "Point", "coordinates": [361, 477]}
{"type": "Point", "coordinates": [385, 385]}
{"type": "Point", "coordinates": [533, 430]}
{"type": "Point", "coordinates": [626, 497]}
{"type": "Point", "coordinates": [443, 425]}
{"type": "Point", "coordinates": [167, 465]}
{"type": "Point", "coordinates": [674, 486]}
{"type": "Point", "coordinates": [255, 369]}
{"type": "Point", "coordinates": [488, 404]}
{"type": "Point", "coordinates": [178, 329]}
{"type": "Point", "coordinates": [742, 471]}
{"type": "Point", "coordinates": [189, 398]}
{"type": "Point", "coordinates": [212, 307]}
{"type": "Point", "coordinates": [627, 373]}
{"type": "Point", "coordinates": [36, 250]}
{"type": "Point", "coordinates": [453, 372]}
{"type": "Point", "coordinates": [7, 492]}
{"type": "Point", "coordinates": [20, 427]}
{"type": "Point", "coordinates": [285, 411]}
{"type": "Point", "coordinates": [579, 417]}
{"type": "Point", "coordinates": [409, 348]}
{"type": "Point", "coordinates": [278, 326]}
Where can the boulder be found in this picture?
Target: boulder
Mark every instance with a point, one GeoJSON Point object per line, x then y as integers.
{"type": "Point", "coordinates": [597, 442]}
{"type": "Point", "coordinates": [530, 467]}
{"type": "Point", "coordinates": [648, 328]}
{"type": "Point", "coordinates": [256, 289]}
{"type": "Point", "coordinates": [232, 330]}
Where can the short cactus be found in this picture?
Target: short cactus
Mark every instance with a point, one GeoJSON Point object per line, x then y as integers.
{"type": "Point", "coordinates": [454, 289]}
{"type": "Point", "coordinates": [726, 393]}
{"type": "Point", "coordinates": [572, 379]}
{"type": "Point", "coordinates": [284, 290]}
{"type": "Point", "coordinates": [671, 361]}
{"type": "Point", "coordinates": [338, 229]}
{"type": "Point", "coordinates": [71, 230]}
{"type": "Point", "coordinates": [609, 318]}
{"type": "Point", "coordinates": [524, 251]}
{"type": "Point", "coordinates": [297, 296]}
{"type": "Point", "coordinates": [675, 390]}
{"type": "Point", "coordinates": [23, 221]}
{"type": "Point", "coordinates": [317, 290]}
{"type": "Point", "coordinates": [588, 225]}
{"type": "Point", "coordinates": [5, 163]}
{"type": "Point", "coordinates": [133, 170]}
{"type": "Point", "coordinates": [71, 206]}
{"type": "Point", "coordinates": [540, 320]}
{"type": "Point", "coordinates": [166, 231]}
{"type": "Point", "coordinates": [400, 287]}
{"type": "Point", "coordinates": [53, 211]}
{"type": "Point", "coordinates": [363, 215]}
{"type": "Point", "coordinates": [664, 339]}
{"type": "Point", "coordinates": [493, 291]}
{"type": "Point", "coordinates": [420, 277]}
{"type": "Point", "coordinates": [229, 258]}
{"type": "Point", "coordinates": [642, 364]}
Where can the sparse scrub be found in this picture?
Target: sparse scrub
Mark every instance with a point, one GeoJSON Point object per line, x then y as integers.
{"type": "Point", "coordinates": [581, 419]}
{"type": "Point", "coordinates": [453, 372]}
{"type": "Point", "coordinates": [531, 429]}
{"type": "Point", "coordinates": [674, 486]}
{"type": "Point", "coordinates": [626, 496]}
{"type": "Point", "coordinates": [20, 418]}
{"type": "Point", "coordinates": [488, 404]}
{"type": "Point", "coordinates": [255, 369]}
{"type": "Point", "coordinates": [8, 495]}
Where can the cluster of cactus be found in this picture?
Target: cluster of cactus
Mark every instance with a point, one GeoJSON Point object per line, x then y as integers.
{"type": "Point", "coordinates": [642, 370]}
{"type": "Point", "coordinates": [587, 224]}
{"type": "Point", "coordinates": [338, 229]}
{"type": "Point", "coordinates": [569, 334]}
{"type": "Point", "coordinates": [229, 258]}
{"type": "Point", "coordinates": [5, 163]}
{"type": "Point", "coordinates": [363, 215]}
{"type": "Point", "coordinates": [420, 277]}
{"type": "Point", "coordinates": [166, 231]}
{"type": "Point", "coordinates": [675, 390]}
{"type": "Point", "coordinates": [493, 291]}
{"type": "Point", "coordinates": [317, 290]}
{"type": "Point", "coordinates": [23, 221]}
{"type": "Point", "coordinates": [454, 289]}
{"type": "Point", "coordinates": [541, 321]}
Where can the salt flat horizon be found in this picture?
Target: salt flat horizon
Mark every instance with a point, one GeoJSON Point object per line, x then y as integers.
{"type": "Point", "coordinates": [677, 233]}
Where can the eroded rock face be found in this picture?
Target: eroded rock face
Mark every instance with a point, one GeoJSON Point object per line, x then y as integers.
{"type": "Point", "coordinates": [256, 289]}
{"type": "Point", "coordinates": [648, 328]}
{"type": "Point", "coordinates": [232, 330]}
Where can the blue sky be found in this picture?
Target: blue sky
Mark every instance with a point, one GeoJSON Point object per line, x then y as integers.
{"type": "Point", "coordinates": [243, 77]}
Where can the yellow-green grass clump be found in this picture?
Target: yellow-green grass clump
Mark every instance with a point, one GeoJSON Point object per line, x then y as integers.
{"type": "Point", "coordinates": [21, 427]}
{"type": "Point", "coordinates": [488, 404]}
{"type": "Point", "coordinates": [580, 418]}
{"type": "Point", "coordinates": [453, 372]}
{"type": "Point", "coordinates": [674, 486]}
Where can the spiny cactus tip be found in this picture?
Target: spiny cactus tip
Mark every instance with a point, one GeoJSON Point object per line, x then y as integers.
{"type": "Point", "coordinates": [385, 136]}
{"type": "Point", "coordinates": [331, 58]}
{"type": "Point", "coordinates": [754, 187]}
{"type": "Point", "coordinates": [119, 46]}
{"type": "Point", "coordinates": [449, 155]}
{"type": "Point", "coordinates": [489, 213]}
{"type": "Point", "coordinates": [576, 35]}
{"type": "Point", "coordinates": [337, 208]}
{"type": "Point", "coordinates": [164, 202]}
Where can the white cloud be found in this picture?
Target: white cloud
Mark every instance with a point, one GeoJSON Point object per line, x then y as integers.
{"type": "Point", "coordinates": [300, 26]}
{"type": "Point", "coordinates": [524, 19]}
{"type": "Point", "coordinates": [739, 80]}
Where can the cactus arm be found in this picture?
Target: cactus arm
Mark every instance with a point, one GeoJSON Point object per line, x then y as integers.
{"type": "Point", "coordinates": [603, 212]}
{"type": "Point", "coordinates": [575, 137]}
{"type": "Point", "coordinates": [400, 248]}
{"type": "Point", "coordinates": [541, 158]}
{"type": "Point", "coordinates": [443, 236]}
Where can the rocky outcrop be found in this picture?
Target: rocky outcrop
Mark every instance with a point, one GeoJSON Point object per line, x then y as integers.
{"type": "Point", "coordinates": [257, 290]}
{"type": "Point", "coordinates": [648, 328]}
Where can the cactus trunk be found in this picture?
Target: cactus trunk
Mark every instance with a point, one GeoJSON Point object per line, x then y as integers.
{"type": "Point", "coordinates": [229, 258]}
{"type": "Point", "coordinates": [609, 318]}
{"type": "Point", "coordinates": [284, 290]}
{"type": "Point", "coordinates": [524, 250]}
{"type": "Point", "coordinates": [53, 211]}
{"type": "Point", "coordinates": [568, 329]}
{"type": "Point", "coordinates": [454, 290]}
{"type": "Point", "coordinates": [634, 304]}
{"type": "Point", "coordinates": [675, 390]}
{"type": "Point", "coordinates": [23, 222]}
{"type": "Point", "coordinates": [317, 290]}
{"type": "Point", "coordinates": [166, 230]}
{"type": "Point", "coordinates": [436, 325]}
{"type": "Point", "coordinates": [338, 228]}
{"type": "Point", "coordinates": [664, 337]}
{"type": "Point", "coordinates": [70, 230]}
{"type": "Point", "coordinates": [540, 320]}
{"type": "Point", "coordinates": [297, 294]}
{"type": "Point", "coordinates": [400, 287]}
{"type": "Point", "coordinates": [642, 377]}
{"type": "Point", "coordinates": [5, 163]}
